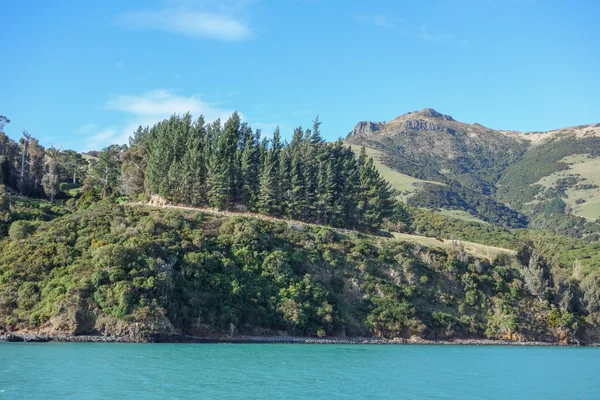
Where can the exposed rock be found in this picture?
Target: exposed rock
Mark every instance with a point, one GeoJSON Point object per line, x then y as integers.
{"type": "Point", "coordinates": [422, 125]}
{"type": "Point", "coordinates": [182, 338]}
{"type": "Point", "coordinates": [158, 201]}
{"type": "Point", "coordinates": [366, 128]}
{"type": "Point", "coordinates": [430, 112]}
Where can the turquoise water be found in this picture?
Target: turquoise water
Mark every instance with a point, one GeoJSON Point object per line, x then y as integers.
{"type": "Point", "coordinates": [272, 371]}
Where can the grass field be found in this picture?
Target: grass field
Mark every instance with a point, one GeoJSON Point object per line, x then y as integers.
{"type": "Point", "coordinates": [584, 167]}
{"type": "Point", "coordinates": [460, 214]}
{"type": "Point", "coordinates": [403, 183]}
{"type": "Point", "coordinates": [476, 249]}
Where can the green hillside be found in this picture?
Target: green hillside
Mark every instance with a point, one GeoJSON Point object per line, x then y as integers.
{"type": "Point", "coordinates": [126, 271]}
{"type": "Point", "coordinates": [541, 180]}
{"type": "Point", "coordinates": [416, 234]}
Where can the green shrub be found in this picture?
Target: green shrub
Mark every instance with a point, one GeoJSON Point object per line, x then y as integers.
{"type": "Point", "coordinates": [20, 230]}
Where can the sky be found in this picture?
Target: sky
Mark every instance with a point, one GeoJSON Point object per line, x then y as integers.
{"type": "Point", "coordinates": [84, 74]}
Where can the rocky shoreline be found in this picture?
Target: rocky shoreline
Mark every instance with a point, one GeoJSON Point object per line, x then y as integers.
{"type": "Point", "coordinates": [180, 338]}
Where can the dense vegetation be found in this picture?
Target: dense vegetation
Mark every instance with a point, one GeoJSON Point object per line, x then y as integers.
{"type": "Point", "coordinates": [120, 269]}
{"type": "Point", "coordinates": [433, 196]}
{"type": "Point", "coordinates": [517, 185]}
{"type": "Point", "coordinates": [561, 252]}
{"type": "Point", "coordinates": [229, 166]}
{"type": "Point", "coordinates": [86, 259]}
{"type": "Point", "coordinates": [226, 166]}
{"type": "Point", "coordinates": [492, 176]}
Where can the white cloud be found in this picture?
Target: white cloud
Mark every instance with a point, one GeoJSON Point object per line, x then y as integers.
{"type": "Point", "coordinates": [161, 103]}
{"type": "Point", "coordinates": [100, 139]}
{"type": "Point", "coordinates": [146, 109]}
{"type": "Point", "coordinates": [87, 128]}
{"type": "Point", "coordinates": [192, 23]}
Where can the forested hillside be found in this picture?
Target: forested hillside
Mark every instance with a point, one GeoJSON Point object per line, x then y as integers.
{"type": "Point", "coordinates": [121, 270]}
{"type": "Point", "coordinates": [81, 254]}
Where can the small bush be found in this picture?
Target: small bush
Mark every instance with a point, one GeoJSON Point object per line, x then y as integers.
{"type": "Point", "coordinates": [19, 230]}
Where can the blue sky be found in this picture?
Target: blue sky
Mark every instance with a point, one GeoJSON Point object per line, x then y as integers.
{"type": "Point", "coordinates": [84, 74]}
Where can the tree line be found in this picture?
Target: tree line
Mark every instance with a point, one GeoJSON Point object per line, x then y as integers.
{"type": "Point", "coordinates": [30, 169]}
{"type": "Point", "coordinates": [222, 165]}
{"type": "Point", "coordinates": [230, 166]}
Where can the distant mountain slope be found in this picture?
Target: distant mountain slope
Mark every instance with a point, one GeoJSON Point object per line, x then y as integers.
{"type": "Point", "coordinates": [468, 158]}
{"type": "Point", "coordinates": [492, 174]}
{"type": "Point", "coordinates": [432, 146]}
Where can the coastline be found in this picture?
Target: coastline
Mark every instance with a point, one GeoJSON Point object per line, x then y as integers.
{"type": "Point", "coordinates": [180, 338]}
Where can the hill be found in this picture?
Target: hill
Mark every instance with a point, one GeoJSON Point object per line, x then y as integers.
{"type": "Point", "coordinates": [307, 238]}
{"type": "Point", "coordinates": [507, 178]}
{"type": "Point", "coordinates": [138, 273]}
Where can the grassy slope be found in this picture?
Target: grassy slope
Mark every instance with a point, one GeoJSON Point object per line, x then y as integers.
{"type": "Point", "coordinates": [403, 183]}
{"type": "Point", "coordinates": [407, 185]}
{"type": "Point", "coordinates": [588, 168]}
{"type": "Point", "coordinates": [475, 249]}
{"type": "Point", "coordinates": [463, 215]}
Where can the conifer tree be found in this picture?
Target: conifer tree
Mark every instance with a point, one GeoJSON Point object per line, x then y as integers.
{"type": "Point", "coordinates": [229, 148]}
{"type": "Point", "coordinates": [297, 188]}
{"type": "Point", "coordinates": [218, 178]}
{"type": "Point", "coordinates": [269, 192]}
{"type": "Point", "coordinates": [375, 194]}
{"type": "Point", "coordinates": [284, 183]}
{"type": "Point", "coordinates": [250, 169]}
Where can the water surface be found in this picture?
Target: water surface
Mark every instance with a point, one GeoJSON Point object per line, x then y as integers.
{"type": "Point", "coordinates": [285, 371]}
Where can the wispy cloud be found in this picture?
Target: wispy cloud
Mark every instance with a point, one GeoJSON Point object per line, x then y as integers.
{"type": "Point", "coordinates": [146, 109]}
{"type": "Point", "coordinates": [188, 22]}
{"type": "Point", "coordinates": [118, 64]}
{"type": "Point", "coordinates": [381, 21]}
{"type": "Point", "coordinates": [85, 129]}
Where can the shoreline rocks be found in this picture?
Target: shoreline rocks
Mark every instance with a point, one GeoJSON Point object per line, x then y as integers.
{"type": "Point", "coordinates": [181, 338]}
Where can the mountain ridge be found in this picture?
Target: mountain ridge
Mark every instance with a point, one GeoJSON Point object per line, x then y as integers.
{"type": "Point", "coordinates": [475, 162]}
{"type": "Point", "coordinates": [428, 119]}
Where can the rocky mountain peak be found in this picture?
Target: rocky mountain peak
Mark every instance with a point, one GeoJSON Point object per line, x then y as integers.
{"type": "Point", "coordinates": [366, 128]}
{"type": "Point", "coordinates": [431, 113]}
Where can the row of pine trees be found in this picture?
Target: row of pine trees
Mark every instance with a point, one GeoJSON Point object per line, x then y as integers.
{"type": "Point", "coordinates": [229, 166]}
{"type": "Point", "coordinates": [225, 166]}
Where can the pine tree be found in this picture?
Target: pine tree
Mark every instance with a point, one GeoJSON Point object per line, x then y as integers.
{"type": "Point", "coordinates": [194, 165]}
{"type": "Point", "coordinates": [310, 161]}
{"type": "Point", "coordinates": [351, 183]}
{"type": "Point", "coordinates": [283, 178]}
{"type": "Point", "coordinates": [297, 188]}
{"type": "Point", "coordinates": [218, 178]}
{"type": "Point", "coordinates": [159, 156]}
{"type": "Point", "coordinates": [375, 197]}
{"type": "Point", "coordinates": [269, 192]}
{"type": "Point", "coordinates": [250, 169]}
{"type": "Point", "coordinates": [229, 148]}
